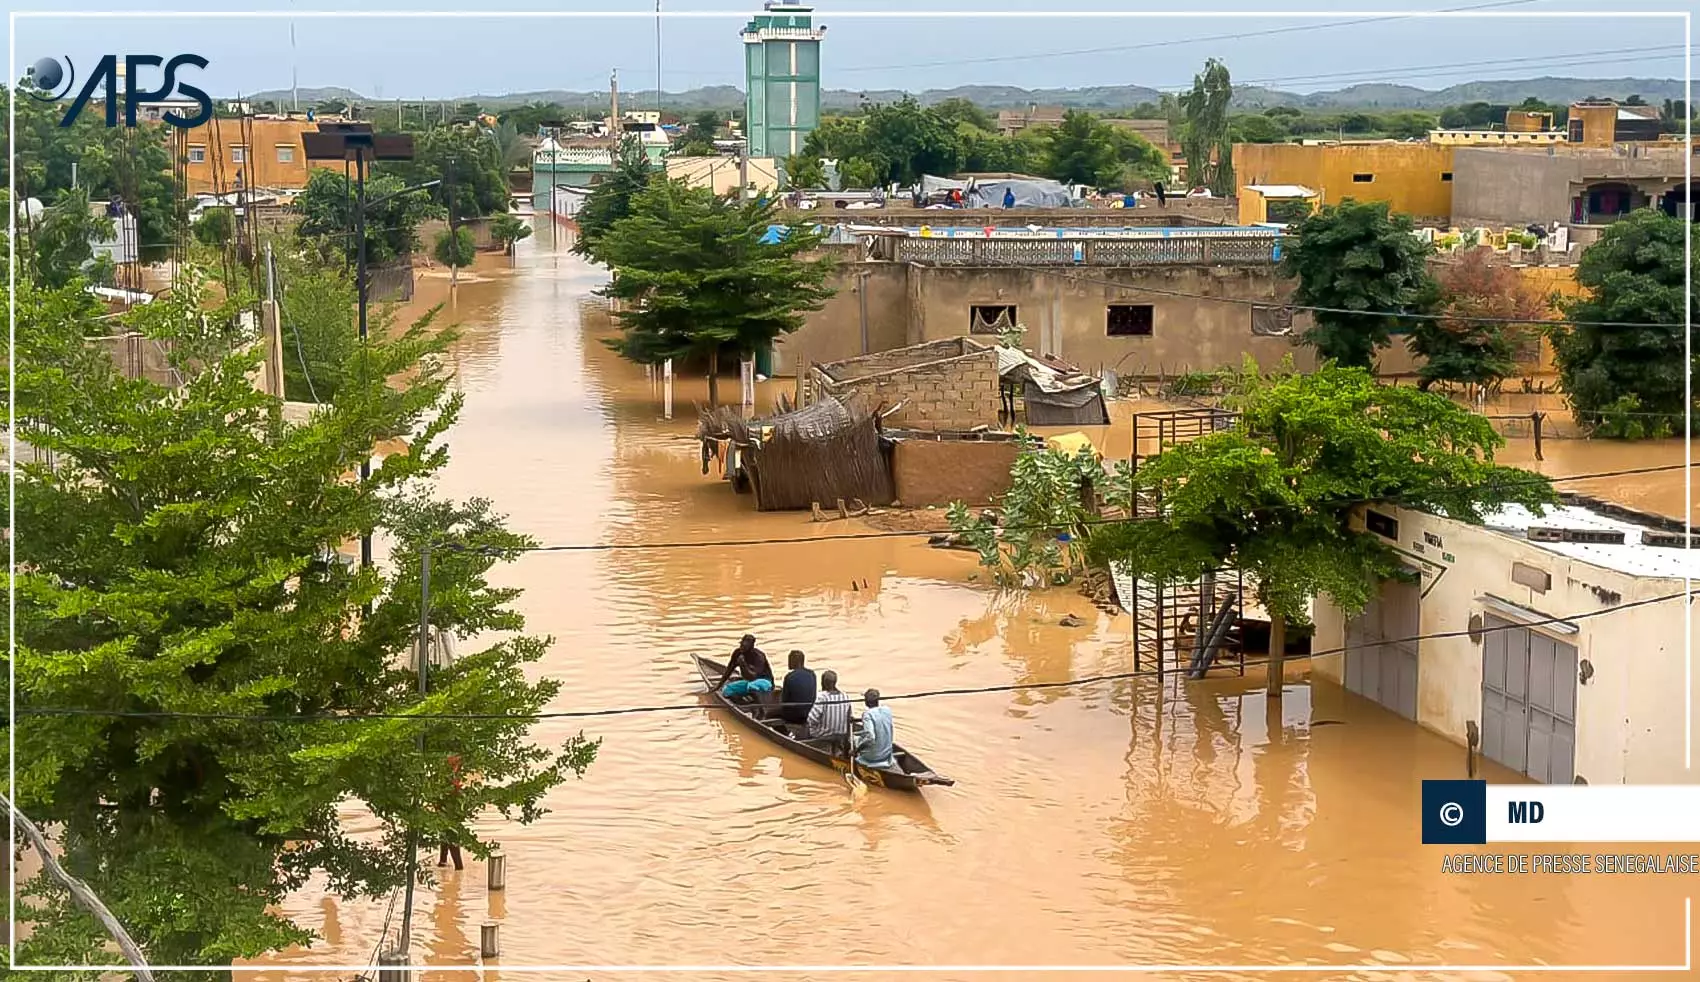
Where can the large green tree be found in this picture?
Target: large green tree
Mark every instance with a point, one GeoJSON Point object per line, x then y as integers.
{"type": "Point", "coordinates": [1082, 150]}
{"type": "Point", "coordinates": [611, 200]}
{"type": "Point", "coordinates": [1476, 339]}
{"type": "Point", "coordinates": [1362, 266]}
{"type": "Point", "coordinates": [467, 159]}
{"type": "Point", "coordinates": [176, 558]}
{"type": "Point", "coordinates": [131, 164]}
{"type": "Point", "coordinates": [1634, 278]}
{"type": "Point", "coordinates": [904, 140]}
{"type": "Point", "coordinates": [1206, 138]}
{"type": "Point", "coordinates": [328, 209]}
{"type": "Point", "coordinates": [1273, 495]}
{"type": "Point", "coordinates": [700, 274]}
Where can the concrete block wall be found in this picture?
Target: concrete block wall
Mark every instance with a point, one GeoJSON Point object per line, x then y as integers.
{"type": "Point", "coordinates": [954, 393]}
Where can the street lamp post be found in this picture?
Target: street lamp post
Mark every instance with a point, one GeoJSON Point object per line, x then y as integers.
{"type": "Point", "coordinates": [357, 142]}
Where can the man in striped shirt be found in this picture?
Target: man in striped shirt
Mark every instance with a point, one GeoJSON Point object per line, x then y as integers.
{"type": "Point", "coordinates": [829, 717]}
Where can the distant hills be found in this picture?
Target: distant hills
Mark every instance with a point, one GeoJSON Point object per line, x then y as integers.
{"type": "Point", "coordinates": [1561, 91]}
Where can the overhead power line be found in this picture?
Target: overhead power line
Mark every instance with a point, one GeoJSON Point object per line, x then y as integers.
{"type": "Point", "coordinates": [1171, 42]}
{"type": "Point", "coordinates": [353, 717]}
{"type": "Point", "coordinates": [1535, 480]}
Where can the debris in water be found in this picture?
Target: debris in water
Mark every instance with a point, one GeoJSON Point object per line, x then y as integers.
{"type": "Point", "coordinates": [1069, 620]}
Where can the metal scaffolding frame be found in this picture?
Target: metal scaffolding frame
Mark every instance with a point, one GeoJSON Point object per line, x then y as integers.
{"type": "Point", "coordinates": [1174, 621]}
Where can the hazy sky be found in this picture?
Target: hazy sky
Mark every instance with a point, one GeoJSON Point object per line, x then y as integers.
{"type": "Point", "coordinates": [398, 56]}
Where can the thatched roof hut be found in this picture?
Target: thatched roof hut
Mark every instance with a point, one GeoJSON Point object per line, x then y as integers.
{"type": "Point", "coordinates": [821, 453]}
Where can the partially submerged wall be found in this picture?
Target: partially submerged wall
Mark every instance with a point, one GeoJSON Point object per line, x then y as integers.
{"type": "Point", "coordinates": [939, 472]}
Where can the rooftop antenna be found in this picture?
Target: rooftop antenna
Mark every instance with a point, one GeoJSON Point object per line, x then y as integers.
{"type": "Point", "coordinates": [294, 70]}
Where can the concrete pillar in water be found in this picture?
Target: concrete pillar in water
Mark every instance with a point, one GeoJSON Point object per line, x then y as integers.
{"type": "Point", "coordinates": [389, 969]}
{"type": "Point", "coordinates": [496, 872]}
{"type": "Point", "coordinates": [667, 389]}
{"type": "Point", "coordinates": [489, 942]}
{"type": "Point", "coordinates": [747, 380]}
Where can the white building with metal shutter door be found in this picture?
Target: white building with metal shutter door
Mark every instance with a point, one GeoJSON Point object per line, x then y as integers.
{"type": "Point", "coordinates": [1518, 648]}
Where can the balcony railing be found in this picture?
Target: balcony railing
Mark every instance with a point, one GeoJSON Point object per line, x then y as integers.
{"type": "Point", "coordinates": [1242, 250]}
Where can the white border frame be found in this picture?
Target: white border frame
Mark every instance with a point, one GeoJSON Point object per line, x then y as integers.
{"type": "Point", "coordinates": [1687, 964]}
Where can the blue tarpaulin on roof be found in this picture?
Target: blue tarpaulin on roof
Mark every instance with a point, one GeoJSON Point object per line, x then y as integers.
{"type": "Point", "coordinates": [775, 234]}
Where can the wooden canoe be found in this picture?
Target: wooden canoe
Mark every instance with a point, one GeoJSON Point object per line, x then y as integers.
{"type": "Point", "coordinates": [910, 774]}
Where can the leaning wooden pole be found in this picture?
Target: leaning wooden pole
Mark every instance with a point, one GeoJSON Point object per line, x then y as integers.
{"type": "Point", "coordinates": [82, 894]}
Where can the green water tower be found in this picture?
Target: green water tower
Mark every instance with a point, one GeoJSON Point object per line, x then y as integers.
{"type": "Point", "coordinates": [781, 78]}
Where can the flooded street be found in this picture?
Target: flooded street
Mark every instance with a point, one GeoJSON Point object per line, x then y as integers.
{"type": "Point", "coordinates": [1098, 824]}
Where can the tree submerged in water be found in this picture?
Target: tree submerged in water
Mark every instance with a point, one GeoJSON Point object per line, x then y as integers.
{"type": "Point", "coordinates": [1626, 381]}
{"type": "Point", "coordinates": [700, 274]}
{"type": "Point", "coordinates": [1274, 495]}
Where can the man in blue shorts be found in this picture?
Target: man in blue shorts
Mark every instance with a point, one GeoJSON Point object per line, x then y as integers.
{"type": "Point", "coordinates": [755, 675]}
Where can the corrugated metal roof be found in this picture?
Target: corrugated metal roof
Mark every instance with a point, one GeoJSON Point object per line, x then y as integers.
{"type": "Point", "coordinates": [1631, 557]}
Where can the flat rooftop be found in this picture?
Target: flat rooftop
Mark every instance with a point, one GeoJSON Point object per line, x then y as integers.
{"type": "Point", "coordinates": [1634, 556]}
{"type": "Point", "coordinates": [1068, 232]}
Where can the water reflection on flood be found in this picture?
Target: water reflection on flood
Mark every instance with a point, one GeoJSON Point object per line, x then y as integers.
{"type": "Point", "coordinates": [1111, 823]}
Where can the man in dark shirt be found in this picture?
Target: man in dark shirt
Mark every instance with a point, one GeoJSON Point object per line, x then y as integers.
{"type": "Point", "coordinates": [797, 694]}
{"type": "Point", "coordinates": [755, 675]}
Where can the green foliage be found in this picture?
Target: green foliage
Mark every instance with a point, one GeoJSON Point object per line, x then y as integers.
{"type": "Point", "coordinates": [527, 119]}
{"type": "Point", "coordinates": [513, 149]}
{"type": "Point", "coordinates": [1046, 517]}
{"type": "Point", "coordinates": [131, 164]}
{"type": "Point", "coordinates": [457, 249]}
{"type": "Point", "coordinates": [1357, 257]}
{"type": "Point", "coordinates": [696, 276]}
{"type": "Point", "coordinates": [1624, 418]}
{"type": "Point", "coordinates": [1084, 149]}
{"type": "Point", "coordinates": [1272, 495]}
{"type": "Point", "coordinates": [611, 200]}
{"type": "Point", "coordinates": [317, 313]}
{"type": "Point", "coordinates": [507, 229]}
{"type": "Point", "coordinates": [1472, 343]}
{"type": "Point", "coordinates": [1194, 384]}
{"type": "Point", "coordinates": [700, 135]}
{"type": "Point", "coordinates": [1634, 275]}
{"type": "Point", "coordinates": [62, 238]}
{"type": "Point", "coordinates": [903, 141]}
{"type": "Point", "coordinates": [328, 209]}
{"type": "Point", "coordinates": [215, 227]}
{"type": "Point", "coordinates": [961, 112]}
{"type": "Point", "coordinates": [174, 560]}
{"type": "Point", "coordinates": [196, 332]}
{"type": "Point", "coordinates": [1206, 138]}
{"type": "Point", "coordinates": [804, 171]}
{"type": "Point", "coordinates": [468, 160]}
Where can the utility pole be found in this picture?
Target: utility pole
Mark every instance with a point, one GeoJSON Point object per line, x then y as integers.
{"type": "Point", "coordinates": [360, 294]}
{"type": "Point", "coordinates": [294, 81]}
{"type": "Point", "coordinates": [862, 298]}
{"type": "Point", "coordinates": [744, 170]}
{"type": "Point", "coordinates": [454, 243]}
{"type": "Point", "coordinates": [614, 107]}
{"type": "Point", "coordinates": [658, 62]}
{"type": "Point", "coordinates": [424, 666]}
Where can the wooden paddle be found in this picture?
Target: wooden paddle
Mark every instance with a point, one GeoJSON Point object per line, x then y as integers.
{"type": "Point", "coordinates": [855, 784]}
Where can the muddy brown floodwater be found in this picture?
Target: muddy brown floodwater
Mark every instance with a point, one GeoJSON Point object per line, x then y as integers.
{"type": "Point", "coordinates": [1098, 824]}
